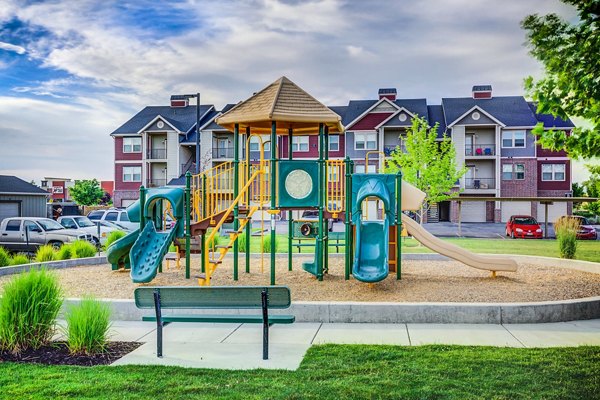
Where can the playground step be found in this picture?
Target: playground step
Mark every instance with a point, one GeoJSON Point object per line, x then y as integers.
{"type": "Point", "coordinates": [215, 261]}
{"type": "Point", "coordinates": [223, 246]}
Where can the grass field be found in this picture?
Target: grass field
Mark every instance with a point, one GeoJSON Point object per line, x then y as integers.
{"type": "Point", "coordinates": [588, 250]}
{"type": "Point", "coordinates": [335, 372]}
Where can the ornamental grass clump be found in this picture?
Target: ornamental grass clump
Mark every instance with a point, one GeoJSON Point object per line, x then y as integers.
{"type": "Point", "coordinates": [113, 237]}
{"type": "Point", "coordinates": [20, 259]}
{"type": "Point", "coordinates": [242, 242]}
{"type": "Point", "coordinates": [266, 244]}
{"type": "Point", "coordinates": [4, 257]}
{"type": "Point", "coordinates": [566, 236]}
{"type": "Point", "coordinates": [87, 326]}
{"type": "Point", "coordinates": [28, 309]}
{"type": "Point", "coordinates": [45, 253]}
{"type": "Point", "coordinates": [65, 252]}
{"type": "Point", "coordinates": [82, 249]}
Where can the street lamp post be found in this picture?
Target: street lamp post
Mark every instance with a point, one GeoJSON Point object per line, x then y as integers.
{"type": "Point", "coordinates": [197, 96]}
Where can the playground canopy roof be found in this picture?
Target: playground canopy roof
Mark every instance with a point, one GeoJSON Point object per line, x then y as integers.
{"type": "Point", "coordinates": [286, 104]}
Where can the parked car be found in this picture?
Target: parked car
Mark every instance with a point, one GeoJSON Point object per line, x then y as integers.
{"type": "Point", "coordinates": [27, 234]}
{"type": "Point", "coordinates": [116, 215]}
{"type": "Point", "coordinates": [313, 215]}
{"type": "Point", "coordinates": [586, 230]}
{"type": "Point", "coordinates": [523, 226]}
{"type": "Point", "coordinates": [86, 225]}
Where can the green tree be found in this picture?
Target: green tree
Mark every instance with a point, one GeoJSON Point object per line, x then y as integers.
{"type": "Point", "coordinates": [592, 188]}
{"type": "Point", "coordinates": [570, 85]}
{"type": "Point", "coordinates": [86, 192]}
{"type": "Point", "coordinates": [428, 163]}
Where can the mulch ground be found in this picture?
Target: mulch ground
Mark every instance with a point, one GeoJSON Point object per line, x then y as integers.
{"type": "Point", "coordinates": [57, 353]}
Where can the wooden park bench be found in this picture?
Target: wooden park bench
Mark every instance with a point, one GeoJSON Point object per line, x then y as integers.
{"type": "Point", "coordinates": [215, 297]}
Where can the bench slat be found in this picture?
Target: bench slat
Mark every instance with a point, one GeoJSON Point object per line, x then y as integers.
{"type": "Point", "coordinates": [216, 297]}
{"type": "Point", "coordinates": [247, 319]}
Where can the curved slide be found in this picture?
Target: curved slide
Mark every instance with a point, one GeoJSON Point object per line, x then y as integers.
{"type": "Point", "coordinates": [489, 263]}
{"type": "Point", "coordinates": [149, 250]}
{"type": "Point", "coordinates": [371, 255]}
{"type": "Point", "coordinates": [118, 252]}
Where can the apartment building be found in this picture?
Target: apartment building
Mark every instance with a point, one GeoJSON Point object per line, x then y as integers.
{"type": "Point", "coordinates": [491, 134]}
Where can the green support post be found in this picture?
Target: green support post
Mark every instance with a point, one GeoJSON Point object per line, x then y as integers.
{"type": "Point", "coordinates": [325, 190]}
{"type": "Point", "coordinates": [321, 233]}
{"type": "Point", "coordinates": [249, 224]}
{"type": "Point", "coordinates": [236, 189]}
{"type": "Point", "coordinates": [398, 225]}
{"type": "Point", "coordinates": [142, 206]}
{"type": "Point", "coordinates": [203, 236]}
{"type": "Point", "coordinates": [158, 216]}
{"type": "Point", "coordinates": [188, 229]}
{"type": "Point", "coordinates": [273, 170]}
{"type": "Point", "coordinates": [347, 220]}
{"type": "Point", "coordinates": [290, 222]}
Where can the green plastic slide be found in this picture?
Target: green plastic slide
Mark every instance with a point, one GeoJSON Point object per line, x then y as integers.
{"type": "Point", "coordinates": [371, 255]}
{"type": "Point", "coordinates": [148, 251]}
{"type": "Point", "coordinates": [311, 266]}
{"type": "Point", "coordinates": [118, 252]}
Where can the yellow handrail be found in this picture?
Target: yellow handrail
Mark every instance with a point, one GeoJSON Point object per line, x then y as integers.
{"type": "Point", "coordinates": [374, 152]}
{"type": "Point", "coordinates": [335, 186]}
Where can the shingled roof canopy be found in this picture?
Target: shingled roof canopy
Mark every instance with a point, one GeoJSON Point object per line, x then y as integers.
{"type": "Point", "coordinates": [285, 103]}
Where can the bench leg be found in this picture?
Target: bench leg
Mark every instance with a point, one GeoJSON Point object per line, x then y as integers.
{"type": "Point", "coordinates": [159, 324]}
{"type": "Point", "coordinates": [265, 312]}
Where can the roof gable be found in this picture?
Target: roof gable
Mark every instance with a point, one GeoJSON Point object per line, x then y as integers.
{"type": "Point", "coordinates": [483, 118]}
{"type": "Point", "coordinates": [182, 118]}
{"type": "Point", "coordinates": [510, 110]}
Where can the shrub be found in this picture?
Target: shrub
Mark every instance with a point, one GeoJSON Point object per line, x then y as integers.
{"type": "Point", "coordinates": [241, 239]}
{"type": "Point", "coordinates": [82, 249]}
{"type": "Point", "coordinates": [65, 252]}
{"type": "Point", "coordinates": [45, 253]}
{"type": "Point", "coordinates": [266, 244]}
{"type": "Point", "coordinates": [87, 326]}
{"type": "Point", "coordinates": [20, 259]}
{"type": "Point", "coordinates": [566, 235]}
{"type": "Point", "coordinates": [28, 310]}
{"type": "Point", "coordinates": [4, 257]}
{"type": "Point", "coordinates": [113, 237]}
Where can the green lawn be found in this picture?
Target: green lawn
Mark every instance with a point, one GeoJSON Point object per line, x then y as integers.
{"type": "Point", "coordinates": [335, 372]}
{"type": "Point", "coordinates": [588, 250]}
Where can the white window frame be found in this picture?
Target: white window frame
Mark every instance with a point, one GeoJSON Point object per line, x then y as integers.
{"type": "Point", "coordinates": [554, 171]}
{"type": "Point", "coordinates": [336, 142]}
{"type": "Point", "coordinates": [365, 138]}
{"type": "Point", "coordinates": [300, 144]}
{"type": "Point", "coordinates": [130, 142]}
{"type": "Point", "coordinates": [513, 139]}
{"type": "Point", "coordinates": [333, 173]}
{"type": "Point", "coordinates": [513, 169]}
{"type": "Point", "coordinates": [130, 172]}
{"type": "Point", "coordinates": [507, 169]}
{"type": "Point", "coordinates": [516, 172]}
{"type": "Point", "coordinates": [360, 169]}
{"type": "Point", "coordinates": [255, 143]}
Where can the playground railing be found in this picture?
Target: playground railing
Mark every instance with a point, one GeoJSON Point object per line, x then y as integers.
{"type": "Point", "coordinates": [336, 187]}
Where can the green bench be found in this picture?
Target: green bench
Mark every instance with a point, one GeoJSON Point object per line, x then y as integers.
{"type": "Point", "coordinates": [215, 297]}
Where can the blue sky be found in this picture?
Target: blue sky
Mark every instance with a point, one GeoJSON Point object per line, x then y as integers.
{"type": "Point", "coordinates": [73, 71]}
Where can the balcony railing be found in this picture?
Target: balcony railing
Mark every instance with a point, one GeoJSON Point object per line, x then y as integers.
{"type": "Point", "coordinates": [156, 183]}
{"type": "Point", "coordinates": [480, 183]}
{"type": "Point", "coordinates": [157, 154]}
{"type": "Point", "coordinates": [480, 150]}
{"type": "Point", "coordinates": [222, 152]}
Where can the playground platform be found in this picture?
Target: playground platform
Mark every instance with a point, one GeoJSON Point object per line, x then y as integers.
{"type": "Point", "coordinates": [238, 346]}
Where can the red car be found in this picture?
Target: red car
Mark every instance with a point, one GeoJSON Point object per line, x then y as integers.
{"type": "Point", "coordinates": [523, 226]}
{"type": "Point", "coordinates": [586, 231]}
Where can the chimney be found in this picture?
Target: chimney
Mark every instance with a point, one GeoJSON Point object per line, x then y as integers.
{"type": "Point", "coordinates": [482, 91]}
{"type": "Point", "coordinates": [388, 93]}
{"type": "Point", "coordinates": [179, 101]}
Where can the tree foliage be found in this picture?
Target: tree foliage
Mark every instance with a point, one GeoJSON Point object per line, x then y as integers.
{"type": "Point", "coordinates": [571, 84]}
{"type": "Point", "coordinates": [427, 163]}
{"type": "Point", "coordinates": [592, 188]}
{"type": "Point", "coordinates": [86, 192]}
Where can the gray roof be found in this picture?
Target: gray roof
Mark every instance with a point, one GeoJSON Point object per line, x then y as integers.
{"type": "Point", "coordinates": [549, 120]}
{"type": "Point", "coordinates": [436, 115]}
{"type": "Point", "coordinates": [12, 184]}
{"type": "Point", "coordinates": [182, 118]}
{"type": "Point", "coordinates": [510, 110]}
{"type": "Point", "coordinates": [191, 135]}
{"type": "Point", "coordinates": [214, 126]}
{"type": "Point", "coordinates": [356, 108]}
{"type": "Point", "coordinates": [414, 106]}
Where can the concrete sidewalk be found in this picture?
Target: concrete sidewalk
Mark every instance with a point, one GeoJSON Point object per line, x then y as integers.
{"type": "Point", "coordinates": [239, 346]}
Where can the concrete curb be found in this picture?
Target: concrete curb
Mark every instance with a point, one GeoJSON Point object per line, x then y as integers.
{"type": "Point", "coordinates": [54, 265]}
{"type": "Point", "coordinates": [440, 313]}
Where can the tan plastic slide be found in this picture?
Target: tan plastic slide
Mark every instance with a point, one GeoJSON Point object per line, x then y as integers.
{"type": "Point", "coordinates": [411, 200]}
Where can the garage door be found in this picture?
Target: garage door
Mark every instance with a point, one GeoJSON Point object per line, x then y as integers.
{"type": "Point", "coordinates": [473, 211]}
{"type": "Point", "coordinates": [554, 211]}
{"type": "Point", "coordinates": [8, 210]}
{"type": "Point", "coordinates": [515, 208]}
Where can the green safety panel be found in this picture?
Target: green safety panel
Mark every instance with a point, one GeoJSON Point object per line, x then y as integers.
{"type": "Point", "coordinates": [382, 186]}
{"type": "Point", "coordinates": [213, 297]}
{"type": "Point", "coordinates": [298, 183]}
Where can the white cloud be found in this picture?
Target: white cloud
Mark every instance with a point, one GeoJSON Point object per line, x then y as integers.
{"type": "Point", "coordinates": [12, 47]}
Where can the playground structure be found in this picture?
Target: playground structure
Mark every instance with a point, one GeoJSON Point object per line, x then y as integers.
{"type": "Point", "coordinates": [234, 191]}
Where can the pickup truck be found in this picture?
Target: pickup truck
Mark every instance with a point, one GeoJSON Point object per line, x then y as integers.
{"type": "Point", "coordinates": [84, 224]}
{"type": "Point", "coordinates": [27, 234]}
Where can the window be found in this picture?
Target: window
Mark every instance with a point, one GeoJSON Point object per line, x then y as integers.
{"type": "Point", "coordinates": [299, 143]}
{"type": "Point", "coordinates": [334, 143]}
{"type": "Point", "coordinates": [132, 145]}
{"type": "Point", "coordinates": [333, 173]}
{"type": "Point", "coordinates": [513, 139]}
{"type": "Point", "coordinates": [513, 171]}
{"type": "Point", "coordinates": [255, 143]}
{"type": "Point", "coordinates": [68, 223]}
{"type": "Point", "coordinates": [365, 141]}
{"type": "Point", "coordinates": [360, 168]}
{"type": "Point", "coordinates": [124, 217]}
{"type": "Point", "coordinates": [132, 174]}
{"type": "Point", "coordinates": [111, 216]}
{"type": "Point", "coordinates": [31, 226]}
{"type": "Point", "coordinates": [13, 225]}
{"type": "Point", "coordinates": [553, 172]}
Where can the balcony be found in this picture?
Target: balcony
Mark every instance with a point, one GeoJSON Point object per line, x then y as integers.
{"type": "Point", "coordinates": [152, 183]}
{"type": "Point", "coordinates": [480, 183]}
{"type": "Point", "coordinates": [479, 150]}
{"type": "Point", "coordinates": [389, 149]}
{"type": "Point", "coordinates": [157, 154]}
{"type": "Point", "coordinates": [222, 152]}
